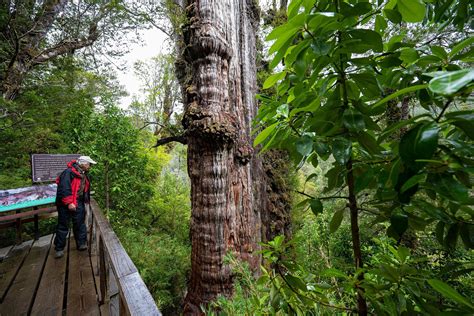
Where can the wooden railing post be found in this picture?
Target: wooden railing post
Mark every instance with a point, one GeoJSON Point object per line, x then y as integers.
{"type": "Point", "coordinates": [36, 224]}
{"type": "Point", "coordinates": [102, 271]}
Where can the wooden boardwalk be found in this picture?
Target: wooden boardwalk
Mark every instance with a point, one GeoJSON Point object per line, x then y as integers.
{"type": "Point", "coordinates": [33, 282]}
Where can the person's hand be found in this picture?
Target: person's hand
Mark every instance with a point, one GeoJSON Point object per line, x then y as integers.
{"type": "Point", "coordinates": [71, 207]}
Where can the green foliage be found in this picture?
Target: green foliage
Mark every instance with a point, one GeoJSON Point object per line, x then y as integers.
{"type": "Point", "coordinates": [343, 65]}
{"type": "Point", "coordinates": [163, 262]}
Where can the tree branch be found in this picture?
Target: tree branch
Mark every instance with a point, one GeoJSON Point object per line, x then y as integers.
{"type": "Point", "coordinates": [63, 48]}
{"type": "Point", "coordinates": [180, 139]}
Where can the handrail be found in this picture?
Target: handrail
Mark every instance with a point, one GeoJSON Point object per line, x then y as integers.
{"type": "Point", "coordinates": [120, 286]}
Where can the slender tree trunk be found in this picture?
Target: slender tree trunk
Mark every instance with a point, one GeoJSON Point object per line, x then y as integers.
{"type": "Point", "coordinates": [354, 211]}
{"type": "Point", "coordinates": [220, 83]}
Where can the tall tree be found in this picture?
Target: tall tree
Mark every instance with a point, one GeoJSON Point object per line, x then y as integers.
{"type": "Point", "coordinates": [160, 103]}
{"type": "Point", "coordinates": [219, 77]}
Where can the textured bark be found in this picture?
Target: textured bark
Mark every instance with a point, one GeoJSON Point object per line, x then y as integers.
{"type": "Point", "coordinates": [219, 76]}
{"type": "Point", "coordinates": [276, 218]}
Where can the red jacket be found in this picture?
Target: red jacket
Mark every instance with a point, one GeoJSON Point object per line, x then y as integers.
{"type": "Point", "coordinates": [69, 182]}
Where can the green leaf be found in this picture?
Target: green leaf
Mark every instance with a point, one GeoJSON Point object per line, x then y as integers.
{"type": "Point", "coordinates": [412, 182]}
{"type": "Point", "coordinates": [447, 291]}
{"type": "Point", "coordinates": [461, 45]}
{"type": "Point", "coordinates": [316, 206]}
{"type": "Point", "coordinates": [290, 27]}
{"type": "Point", "coordinates": [432, 211]}
{"type": "Point", "coordinates": [366, 40]}
{"type": "Point", "coordinates": [321, 22]}
{"type": "Point", "coordinates": [399, 222]}
{"type": "Point", "coordinates": [309, 108]}
{"type": "Point", "coordinates": [367, 83]}
{"type": "Point", "coordinates": [452, 81]}
{"type": "Point", "coordinates": [439, 51]}
{"type": "Point", "coordinates": [379, 104]}
{"type": "Point", "coordinates": [358, 9]}
{"type": "Point", "coordinates": [271, 80]}
{"type": "Point", "coordinates": [369, 143]}
{"type": "Point", "coordinates": [293, 8]}
{"type": "Point", "coordinates": [411, 10]}
{"type": "Point", "coordinates": [295, 50]}
{"type": "Point", "coordinates": [363, 180]}
{"type": "Point", "coordinates": [409, 55]}
{"type": "Point", "coordinates": [333, 272]}
{"type": "Point", "coordinates": [304, 145]}
{"type": "Point", "coordinates": [282, 40]}
{"type": "Point", "coordinates": [264, 134]}
{"type": "Point", "coordinates": [380, 24]}
{"type": "Point", "coordinates": [447, 186]}
{"type": "Point", "coordinates": [341, 150]}
{"type": "Point", "coordinates": [419, 143]}
{"type": "Point", "coordinates": [353, 120]}
{"type": "Point", "coordinates": [295, 282]}
{"type": "Point", "coordinates": [320, 47]}
{"type": "Point", "coordinates": [393, 15]}
{"type": "Point", "coordinates": [463, 120]}
{"type": "Point", "coordinates": [322, 149]}
{"type": "Point", "coordinates": [336, 221]}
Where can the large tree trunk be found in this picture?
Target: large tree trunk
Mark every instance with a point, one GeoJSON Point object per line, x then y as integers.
{"type": "Point", "coordinates": [220, 85]}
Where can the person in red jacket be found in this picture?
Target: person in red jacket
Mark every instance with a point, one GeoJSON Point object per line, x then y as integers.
{"type": "Point", "coordinates": [72, 194]}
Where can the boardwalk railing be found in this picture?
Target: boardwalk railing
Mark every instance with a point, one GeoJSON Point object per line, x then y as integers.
{"type": "Point", "coordinates": [119, 285]}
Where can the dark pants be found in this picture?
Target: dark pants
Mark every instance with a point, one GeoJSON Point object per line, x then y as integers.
{"type": "Point", "coordinates": [78, 225]}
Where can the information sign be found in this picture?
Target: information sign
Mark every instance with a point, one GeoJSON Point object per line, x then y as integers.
{"type": "Point", "coordinates": [46, 167]}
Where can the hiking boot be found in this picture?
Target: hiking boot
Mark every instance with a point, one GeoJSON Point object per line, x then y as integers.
{"type": "Point", "coordinates": [82, 247]}
{"type": "Point", "coordinates": [59, 254]}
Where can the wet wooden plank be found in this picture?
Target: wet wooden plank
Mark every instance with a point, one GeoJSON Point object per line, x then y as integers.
{"type": "Point", "coordinates": [21, 294]}
{"type": "Point", "coordinates": [81, 293]}
{"type": "Point", "coordinates": [4, 252]}
{"type": "Point", "coordinates": [11, 264]}
{"type": "Point", "coordinates": [138, 298]}
{"type": "Point", "coordinates": [49, 297]}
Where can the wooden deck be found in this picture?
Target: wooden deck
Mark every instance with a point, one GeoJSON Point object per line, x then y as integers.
{"type": "Point", "coordinates": [33, 282]}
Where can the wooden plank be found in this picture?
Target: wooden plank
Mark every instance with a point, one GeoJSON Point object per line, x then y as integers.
{"type": "Point", "coordinates": [81, 293]}
{"type": "Point", "coordinates": [20, 296]}
{"type": "Point", "coordinates": [4, 252]}
{"type": "Point", "coordinates": [11, 264]}
{"type": "Point", "coordinates": [28, 220]}
{"type": "Point", "coordinates": [49, 297]}
{"type": "Point", "coordinates": [27, 214]}
{"type": "Point", "coordinates": [136, 295]}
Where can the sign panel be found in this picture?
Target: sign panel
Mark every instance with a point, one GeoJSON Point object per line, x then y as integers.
{"type": "Point", "coordinates": [14, 199]}
{"type": "Point", "coordinates": [46, 167]}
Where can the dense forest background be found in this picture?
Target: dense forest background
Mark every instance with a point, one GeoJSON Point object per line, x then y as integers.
{"type": "Point", "coordinates": [371, 104]}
